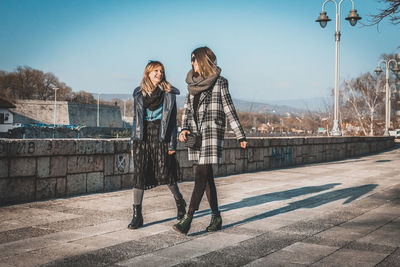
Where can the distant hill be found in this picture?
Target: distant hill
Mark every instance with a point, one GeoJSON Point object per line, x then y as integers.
{"type": "Point", "coordinates": [280, 107]}
{"type": "Point", "coordinates": [248, 106]}
{"type": "Point", "coordinates": [312, 104]}
{"type": "Point", "coordinates": [109, 97]}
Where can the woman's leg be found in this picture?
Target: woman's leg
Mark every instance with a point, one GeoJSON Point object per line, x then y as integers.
{"type": "Point", "coordinates": [211, 190]}
{"type": "Point", "coordinates": [137, 219]}
{"type": "Point", "coordinates": [200, 181]}
{"type": "Point", "coordinates": [180, 202]}
{"type": "Point", "coordinates": [137, 196]}
{"type": "Point", "coordinates": [175, 191]}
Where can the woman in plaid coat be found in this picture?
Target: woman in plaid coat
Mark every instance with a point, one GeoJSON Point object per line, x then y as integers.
{"type": "Point", "coordinates": [207, 107]}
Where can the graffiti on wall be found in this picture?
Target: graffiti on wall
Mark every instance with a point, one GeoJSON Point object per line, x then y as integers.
{"type": "Point", "coordinates": [282, 155]}
{"type": "Point", "coordinates": [17, 148]}
{"type": "Point", "coordinates": [121, 162]}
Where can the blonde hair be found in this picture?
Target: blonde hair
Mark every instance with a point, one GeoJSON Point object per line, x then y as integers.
{"type": "Point", "coordinates": [206, 60]}
{"type": "Point", "coordinates": [147, 86]}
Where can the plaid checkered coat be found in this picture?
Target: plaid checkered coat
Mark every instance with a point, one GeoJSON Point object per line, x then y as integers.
{"type": "Point", "coordinates": [214, 106]}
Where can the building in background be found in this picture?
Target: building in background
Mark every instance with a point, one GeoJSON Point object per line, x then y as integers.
{"type": "Point", "coordinates": [6, 115]}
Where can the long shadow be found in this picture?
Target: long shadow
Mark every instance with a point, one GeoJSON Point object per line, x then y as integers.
{"type": "Point", "coordinates": [260, 199]}
{"type": "Point", "coordinates": [270, 197]}
{"type": "Point", "coordinates": [348, 194]}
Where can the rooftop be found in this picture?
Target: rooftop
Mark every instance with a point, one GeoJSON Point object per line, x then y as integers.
{"type": "Point", "coordinates": [6, 104]}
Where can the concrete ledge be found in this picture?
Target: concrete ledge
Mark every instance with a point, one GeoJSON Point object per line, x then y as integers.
{"type": "Point", "coordinates": [35, 169]}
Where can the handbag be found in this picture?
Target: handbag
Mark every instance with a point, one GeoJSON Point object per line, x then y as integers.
{"type": "Point", "coordinates": [193, 141]}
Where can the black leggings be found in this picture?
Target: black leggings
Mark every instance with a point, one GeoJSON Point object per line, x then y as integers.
{"type": "Point", "coordinates": [203, 181]}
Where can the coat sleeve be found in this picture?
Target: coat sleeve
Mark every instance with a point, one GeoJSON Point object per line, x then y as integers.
{"type": "Point", "coordinates": [172, 144]}
{"type": "Point", "coordinates": [186, 115]}
{"type": "Point", "coordinates": [133, 123]}
{"type": "Point", "coordinates": [230, 111]}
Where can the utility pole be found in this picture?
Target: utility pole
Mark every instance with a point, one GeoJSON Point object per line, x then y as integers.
{"type": "Point", "coordinates": [98, 110]}
{"type": "Point", "coordinates": [55, 104]}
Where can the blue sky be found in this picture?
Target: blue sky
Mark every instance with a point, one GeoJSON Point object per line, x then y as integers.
{"type": "Point", "coordinates": [269, 50]}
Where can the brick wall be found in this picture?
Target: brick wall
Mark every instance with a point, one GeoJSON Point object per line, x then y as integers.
{"type": "Point", "coordinates": [36, 169]}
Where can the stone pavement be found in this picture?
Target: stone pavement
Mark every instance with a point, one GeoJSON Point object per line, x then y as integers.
{"type": "Point", "coordinates": [343, 213]}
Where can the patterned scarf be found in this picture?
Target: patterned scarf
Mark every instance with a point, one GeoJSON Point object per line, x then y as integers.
{"type": "Point", "coordinates": [199, 84]}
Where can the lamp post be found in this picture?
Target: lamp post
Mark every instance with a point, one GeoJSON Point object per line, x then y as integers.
{"type": "Point", "coordinates": [98, 110]}
{"type": "Point", "coordinates": [55, 104]}
{"type": "Point", "coordinates": [378, 71]}
{"type": "Point", "coordinates": [323, 19]}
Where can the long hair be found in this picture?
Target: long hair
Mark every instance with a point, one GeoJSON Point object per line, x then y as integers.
{"type": "Point", "coordinates": [147, 86]}
{"type": "Point", "coordinates": [206, 60]}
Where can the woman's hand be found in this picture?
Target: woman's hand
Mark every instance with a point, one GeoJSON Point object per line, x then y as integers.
{"type": "Point", "coordinates": [171, 152]}
{"type": "Point", "coordinates": [243, 144]}
{"type": "Point", "coordinates": [182, 135]}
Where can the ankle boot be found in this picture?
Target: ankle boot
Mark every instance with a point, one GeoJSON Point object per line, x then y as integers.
{"type": "Point", "coordinates": [180, 206]}
{"type": "Point", "coordinates": [137, 219]}
{"type": "Point", "coordinates": [183, 226]}
{"type": "Point", "coordinates": [216, 222]}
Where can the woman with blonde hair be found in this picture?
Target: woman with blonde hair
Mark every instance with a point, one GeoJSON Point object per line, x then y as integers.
{"type": "Point", "coordinates": [207, 106]}
{"type": "Point", "coordinates": [153, 139]}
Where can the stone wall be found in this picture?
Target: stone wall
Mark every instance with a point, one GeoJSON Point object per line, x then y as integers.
{"type": "Point", "coordinates": [86, 114]}
{"type": "Point", "coordinates": [41, 111]}
{"type": "Point", "coordinates": [69, 113]}
{"type": "Point", "coordinates": [36, 169]}
{"type": "Point", "coordinates": [34, 132]}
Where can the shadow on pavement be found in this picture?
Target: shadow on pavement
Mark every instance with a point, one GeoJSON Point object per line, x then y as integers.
{"type": "Point", "coordinates": [270, 197]}
{"type": "Point", "coordinates": [348, 194]}
{"type": "Point", "coordinates": [259, 200]}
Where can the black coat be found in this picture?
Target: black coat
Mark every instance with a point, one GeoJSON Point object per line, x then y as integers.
{"type": "Point", "coordinates": [168, 129]}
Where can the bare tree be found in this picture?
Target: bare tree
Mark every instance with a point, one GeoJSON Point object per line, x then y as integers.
{"type": "Point", "coordinates": [29, 83]}
{"type": "Point", "coordinates": [83, 97]}
{"type": "Point", "coordinates": [391, 11]}
{"type": "Point", "coordinates": [362, 100]}
{"type": "Point", "coordinates": [311, 121]}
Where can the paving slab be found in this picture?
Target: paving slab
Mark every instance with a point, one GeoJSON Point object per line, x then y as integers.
{"type": "Point", "coordinates": [386, 235]}
{"type": "Point", "coordinates": [348, 257]}
{"type": "Point", "coordinates": [297, 254]}
{"type": "Point", "coordinates": [392, 260]}
{"type": "Point", "coordinates": [339, 213]}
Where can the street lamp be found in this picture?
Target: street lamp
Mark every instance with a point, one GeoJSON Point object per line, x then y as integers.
{"type": "Point", "coordinates": [378, 71]}
{"type": "Point", "coordinates": [55, 104]}
{"type": "Point", "coordinates": [124, 106]}
{"type": "Point", "coordinates": [323, 19]}
{"type": "Point", "coordinates": [98, 110]}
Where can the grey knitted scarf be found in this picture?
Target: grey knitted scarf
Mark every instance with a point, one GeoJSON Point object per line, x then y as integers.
{"type": "Point", "coordinates": [199, 84]}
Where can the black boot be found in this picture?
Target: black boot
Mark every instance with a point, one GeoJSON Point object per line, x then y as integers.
{"type": "Point", "coordinates": [183, 226]}
{"type": "Point", "coordinates": [216, 222]}
{"type": "Point", "coordinates": [180, 206]}
{"type": "Point", "coordinates": [137, 220]}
